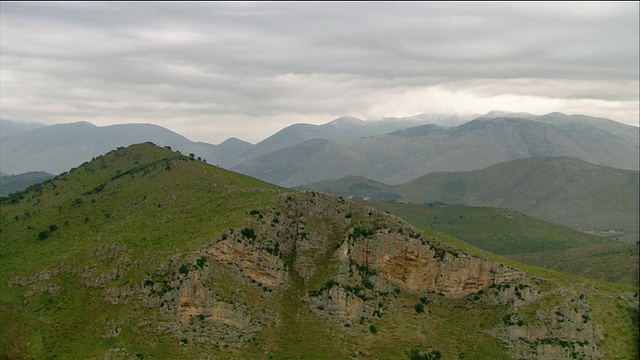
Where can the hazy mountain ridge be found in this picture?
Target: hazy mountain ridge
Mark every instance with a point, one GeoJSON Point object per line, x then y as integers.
{"type": "Point", "coordinates": [404, 155]}
{"type": "Point", "coordinates": [12, 183]}
{"type": "Point", "coordinates": [35, 147]}
{"type": "Point", "coordinates": [147, 253]}
{"type": "Point", "coordinates": [385, 151]}
{"type": "Point", "coordinates": [563, 190]}
{"type": "Point", "coordinates": [9, 127]}
{"type": "Point", "coordinates": [57, 148]}
{"type": "Point", "coordinates": [340, 130]}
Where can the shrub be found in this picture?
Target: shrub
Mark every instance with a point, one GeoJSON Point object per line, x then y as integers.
{"type": "Point", "coordinates": [43, 235]}
{"type": "Point", "coordinates": [419, 308]}
{"type": "Point", "coordinates": [248, 233]}
{"type": "Point", "coordinates": [367, 283]}
{"type": "Point", "coordinates": [184, 269]}
{"type": "Point", "coordinates": [373, 329]}
{"type": "Point", "coordinates": [200, 262]}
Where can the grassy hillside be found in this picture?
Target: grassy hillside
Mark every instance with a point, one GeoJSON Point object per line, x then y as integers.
{"type": "Point", "coordinates": [526, 239]}
{"type": "Point", "coordinates": [145, 253]}
{"type": "Point", "coordinates": [119, 217]}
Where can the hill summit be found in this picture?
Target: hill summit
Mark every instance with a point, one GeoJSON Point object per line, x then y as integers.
{"type": "Point", "coordinates": [147, 253]}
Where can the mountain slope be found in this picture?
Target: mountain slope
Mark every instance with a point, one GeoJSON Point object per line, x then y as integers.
{"type": "Point", "coordinates": [562, 190]}
{"type": "Point", "coordinates": [144, 253]}
{"type": "Point", "coordinates": [9, 127]}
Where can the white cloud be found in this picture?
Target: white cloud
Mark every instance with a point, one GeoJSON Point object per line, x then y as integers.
{"type": "Point", "coordinates": [215, 70]}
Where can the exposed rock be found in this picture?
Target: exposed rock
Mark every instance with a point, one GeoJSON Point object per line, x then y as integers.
{"type": "Point", "coordinates": [257, 264]}
{"type": "Point", "coordinates": [417, 267]}
{"type": "Point", "coordinates": [565, 331]}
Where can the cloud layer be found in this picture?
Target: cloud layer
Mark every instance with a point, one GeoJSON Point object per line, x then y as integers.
{"type": "Point", "coordinates": [215, 70]}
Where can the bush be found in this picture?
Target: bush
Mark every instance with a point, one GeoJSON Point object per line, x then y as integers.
{"type": "Point", "coordinates": [248, 233]}
{"type": "Point", "coordinates": [184, 269]}
{"type": "Point", "coordinates": [201, 261]}
{"type": "Point", "coordinates": [367, 283]}
{"type": "Point", "coordinates": [419, 308]}
{"type": "Point", "coordinates": [373, 329]}
{"type": "Point", "coordinates": [43, 235]}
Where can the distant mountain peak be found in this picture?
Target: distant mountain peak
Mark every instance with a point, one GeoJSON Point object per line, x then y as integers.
{"type": "Point", "coordinates": [350, 120]}
{"type": "Point", "coordinates": [234, 141]}
{"type": "Point", "coordinates": [502, 113]}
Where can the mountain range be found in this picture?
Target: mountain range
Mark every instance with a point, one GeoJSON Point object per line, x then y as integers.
{"type": "Point", "coordinates": [144, 252]}
{"type": "Point", "coordinates": [391, 151]}
{"type": "Point", "coordinates": [57, 148]}
{"type": "Point", "coordinates": [404, 155]}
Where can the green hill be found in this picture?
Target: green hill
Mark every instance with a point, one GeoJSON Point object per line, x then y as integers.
{"type": "Point", "coordinates": [526, 239]}
{"type": "Point", "coordinates": [145, 253]}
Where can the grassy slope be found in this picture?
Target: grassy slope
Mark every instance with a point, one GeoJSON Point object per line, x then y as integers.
{"type": "Point", "coordinates": [158, 208]}
{"type": "Point", "coordinates": [527, 239]}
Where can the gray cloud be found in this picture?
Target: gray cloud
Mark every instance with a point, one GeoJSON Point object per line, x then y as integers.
{"type": "Point", "coordinates": [214, 70]}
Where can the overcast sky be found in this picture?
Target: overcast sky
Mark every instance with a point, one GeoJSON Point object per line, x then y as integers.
{"type": "Point", "coordinates": [211, 71]}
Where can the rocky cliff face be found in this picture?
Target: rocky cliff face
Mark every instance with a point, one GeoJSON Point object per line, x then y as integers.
{"type": "Point", "coordinates": [563, 331]}
{"type": "Point", "coordinates": [348, 256]}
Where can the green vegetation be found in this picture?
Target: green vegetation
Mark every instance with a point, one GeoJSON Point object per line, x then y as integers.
{"type": "Point", "coordinates": [127, 204]}
{"type": "Point", "coordinates": [149, 254]}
